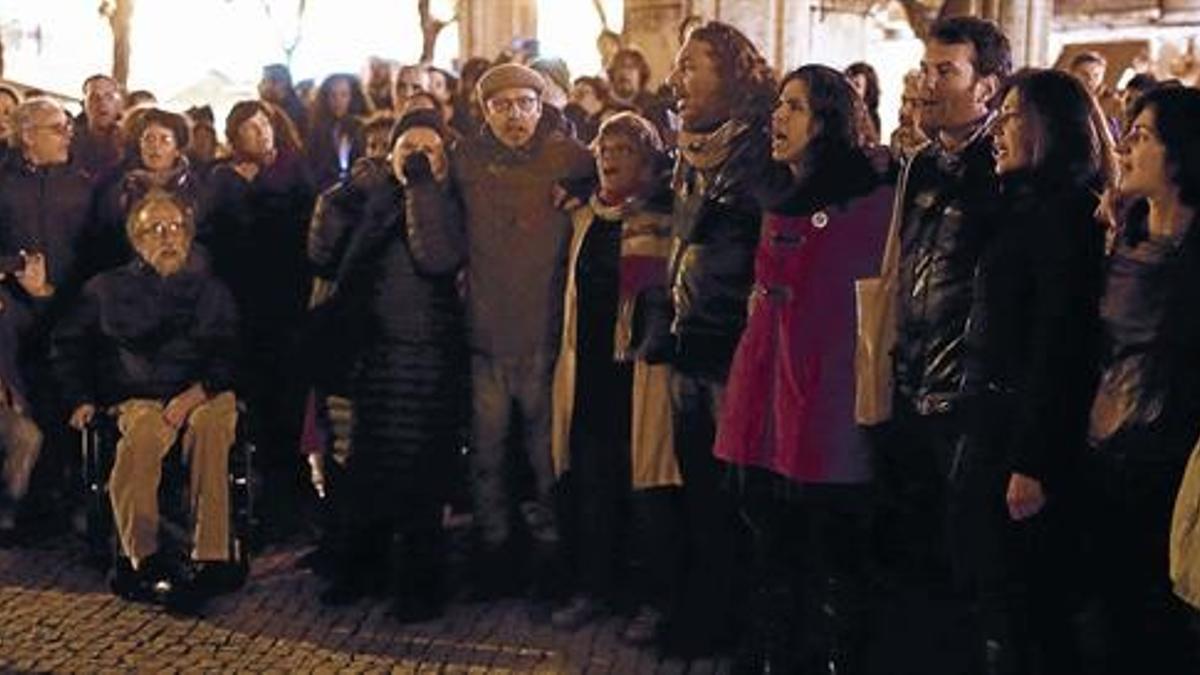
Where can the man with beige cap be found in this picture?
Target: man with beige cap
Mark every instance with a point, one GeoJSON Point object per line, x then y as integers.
{"type": "Point", "coordinates": [507, 178]}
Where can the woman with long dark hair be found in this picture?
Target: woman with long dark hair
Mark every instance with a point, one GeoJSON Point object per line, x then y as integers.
{"type": "Point", "coordinates": [865, 81]}
{"type": "Point", "coordinates": [1145, 416]}
{"type": "Point", "coordinates": [787, 422]}
{"type": "Point", "coordinates": [1032, 342]}
{"type": "Point", "coordinates": [336, 139]}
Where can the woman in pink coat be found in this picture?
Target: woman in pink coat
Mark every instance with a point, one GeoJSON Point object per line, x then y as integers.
{"type": "Point", "coordinates": [787, 422]}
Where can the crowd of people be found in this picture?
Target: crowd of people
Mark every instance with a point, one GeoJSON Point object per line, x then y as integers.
{"type": "Point", "coordinates": [625, 328]}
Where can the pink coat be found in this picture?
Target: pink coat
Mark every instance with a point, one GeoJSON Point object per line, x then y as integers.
{"type": "Point", "coordinates": [789, 403]}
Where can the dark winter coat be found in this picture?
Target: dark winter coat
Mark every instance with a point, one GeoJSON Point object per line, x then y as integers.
{"type": "Point", "coordinates": [950, 211]}
{"type": "Point", "coordinates": [47, 210]}
{"type": "Point", "coordinates": [716, 226]}
{"type": "Point", "coordinates": [338, 211]}
{"type": "Point", "coordinates": [256, 240]}
{"type": "Point", "coordinates": [134, 334]}
{"type": "Point", "coordinates": [1033, 334]}
{"type": "Point", "coordinates": [397, 304]}
{"type": "Point", "coordinates": [95, 155]}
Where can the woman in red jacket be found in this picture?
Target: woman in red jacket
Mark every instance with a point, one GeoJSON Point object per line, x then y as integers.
{"type": "Point", "coordinates": [787, 422]}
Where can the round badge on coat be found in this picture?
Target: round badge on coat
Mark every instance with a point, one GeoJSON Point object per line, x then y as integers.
{"type": "Point", "coordinates": [820, 219]}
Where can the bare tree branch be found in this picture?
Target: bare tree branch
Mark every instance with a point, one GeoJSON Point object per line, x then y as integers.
{"type": "Point", "coordinates": [599, 5]}
{"type": "Point", "coordinates": [431, 27]}
{"type": "Point", "coordinates": [920, 18]}
{"type": "Point", "coordinates": [288, 43]}
{"type": "Point", "coordinates": [119, 14]}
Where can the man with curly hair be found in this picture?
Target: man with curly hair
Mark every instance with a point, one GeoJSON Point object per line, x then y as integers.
{"type": "Point", "coordinates": [724, 89]}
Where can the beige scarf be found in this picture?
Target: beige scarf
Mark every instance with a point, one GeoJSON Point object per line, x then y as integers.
{"type": "Point", "coordinates": [709, 150]}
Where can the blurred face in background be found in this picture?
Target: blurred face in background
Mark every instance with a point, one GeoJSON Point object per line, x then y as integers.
{"type": "Point", "coordinates": [1091, 74]}
{"type": "Point", "coordinates": [409, 80]}
{"type": "Point", "coordinates": [7, 105]}
{"type": "Point", "coordinates": [512, 115]}
{"type": "Point", "coordinates": [626, 78]}
{"type": "Point", "coordinates": [46, 141]}
{"type": "Point", "coordinates": [584, 96]}
{"type": "Point", "coordinates": [204, 143]}
{"type": "Point", "coordinates": [256, 138]}
{"type": "Point", "coordinates": [273, 90]}
{"type": "Point", "coordinates": [103, 103]}
{"type": "Point", "coordinates": [339, 98]}
{"type": "Point", "coordinates": [377, 144]}
{"type": "Point", "coordinates": [439, 87]}
{"type": "Point", "coordinates": [159, 148]}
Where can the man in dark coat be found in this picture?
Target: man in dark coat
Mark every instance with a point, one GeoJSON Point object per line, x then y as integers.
{"type": "Point", "coordinates": [44, 218]}
{"type": "Point", "coordinates": [516, 242]}
{"type": "Point", "coordinates": [96, 146]}
{"type": "Point", "coordinates": [725, 92]}
{"type": "Point", "coordinates": [949, 202]}
{"type": "Point", "coordinates": [154, 340]}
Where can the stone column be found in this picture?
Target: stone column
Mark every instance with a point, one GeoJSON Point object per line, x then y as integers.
{"type": "Point", "coordinates": [651, 26]}
{"type": "Point", "coordinates": [488, 26]}
{"type": "Point", "coordinates": [1027, 24]}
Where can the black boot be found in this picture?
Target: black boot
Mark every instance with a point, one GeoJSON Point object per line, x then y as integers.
{"type": "Point", "coordinates": [418, 576]}
{"type": "Point", "coordinates": [769, 644]}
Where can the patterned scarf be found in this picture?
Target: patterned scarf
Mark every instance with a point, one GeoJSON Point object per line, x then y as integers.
{"type": "Point", "coordinates": [709, 150]}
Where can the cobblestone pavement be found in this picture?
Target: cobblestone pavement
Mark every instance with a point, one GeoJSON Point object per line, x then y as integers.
{"type": "Point", "coordinates": [56, 615]}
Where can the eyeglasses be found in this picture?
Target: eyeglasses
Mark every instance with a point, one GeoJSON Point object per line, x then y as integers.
{"type": "Point", "coordinates": [58, 128]}
{"type": "Point", "coordinates": [162, 229]}
{"type": "Point", "coordinates": [503, 106]}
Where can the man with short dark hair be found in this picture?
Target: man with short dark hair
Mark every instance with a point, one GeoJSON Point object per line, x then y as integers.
{"type": "Point", "coordinates": [950, 192]}
{"type": "Point", "coordinates": [96, 145]}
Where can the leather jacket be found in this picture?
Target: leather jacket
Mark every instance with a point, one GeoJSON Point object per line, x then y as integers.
{"type": "Point", "coordinates": [950, 208]}
{"type": "Point", "coordinates": [716, 228]}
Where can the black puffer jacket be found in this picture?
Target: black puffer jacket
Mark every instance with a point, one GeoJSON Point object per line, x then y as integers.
{"type": "Point", "coordinates": [1033, 334]}
{"type": "Point", "coordinates": [950, 211]}
{"type": "Point", "coordinates": [716, 226]}
{"type": "Point", "coordinates": [401, 263]}
{"type": "Point", "coordinates": [338, 210]}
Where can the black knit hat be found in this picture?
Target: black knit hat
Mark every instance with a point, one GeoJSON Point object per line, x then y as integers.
{"type": "Point", "coordinates": [421, 117]}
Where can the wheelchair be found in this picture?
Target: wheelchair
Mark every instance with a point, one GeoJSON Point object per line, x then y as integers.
{"type": "Point", "coordinates": [99, 450]}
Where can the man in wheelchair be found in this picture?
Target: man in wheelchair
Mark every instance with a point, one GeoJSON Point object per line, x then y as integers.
{"type": "Point", "coordinates": [152, 343]}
